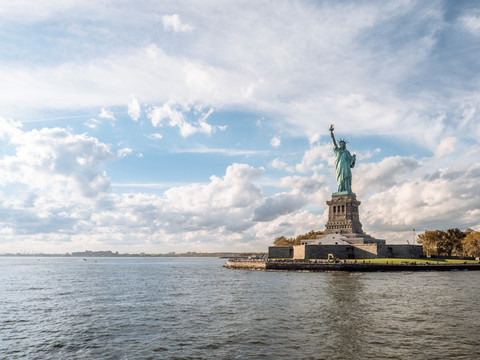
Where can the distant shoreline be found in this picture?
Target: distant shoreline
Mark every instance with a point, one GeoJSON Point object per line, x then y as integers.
{"type": "Point", "coordinates": [86, 254]}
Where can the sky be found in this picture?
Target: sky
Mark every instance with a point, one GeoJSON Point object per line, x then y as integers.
{"type": "Point", "coordinates": [160, 126]}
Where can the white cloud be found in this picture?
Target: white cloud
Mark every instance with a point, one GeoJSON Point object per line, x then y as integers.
{"type": "Point", "coordinates": [377, 177]}
{"type": "Point", "coordinates": [278, 164]}
{"type": "Point", "coordinates": [312, 158]}
{"type": "Point", "coordinates": [107, 114]}
{"type": "Point", "coordinates": [439, 200]}
{"type": "Point", "coordinates": [369, 154]}
{"type": "Point", "coordinates": [155, 136]}
{"type": "Point", "coordinates": [173, 23]}
{"type": "Point", "coordinates": [92, 123]}
{"type": "Point", "coordinates": [277, 205]}
{"type": "Point", "coordinates": [473, 150]}
{"type": "Point", "coordinates": [275, 141]}
{"type": "Point", "coordinates": [354, 84]}
{"type": "Point", "coordinates": [447, 146]}
{"type": "Point", "coordinates": [176, 118]}
{"type": "Point", "coordinates": [471, 23]}
{"type": "Point", "coordinates": [134, 108]}
{"type": "Point", "coordinates": [57, 185]}
{"type": "Point", "coordinates": [63, 190]}
{"type": "Point", "coordinates": [54, 178]}
{"type": "Point", "coordinates": [121, 153]}
{"type": "Point", "coordinates": [306, 185]}
{"type": "Point", "coordinates": [288, 225]}
{"type": "Point", "coordinates": [349, 67]}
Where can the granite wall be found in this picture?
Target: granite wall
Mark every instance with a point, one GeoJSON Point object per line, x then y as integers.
{"type": "Point", "coordinates": [364, 251]}
{"type": "Point", "coordinates": [280, 252]}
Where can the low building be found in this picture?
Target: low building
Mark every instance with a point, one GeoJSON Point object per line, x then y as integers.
{"type": "Point", "coordinates": [342, 251]}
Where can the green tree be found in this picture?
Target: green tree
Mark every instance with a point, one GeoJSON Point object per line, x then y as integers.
{"type": "Point", "coordinates": [471, 243]}
{"type": "Point", "coordinates": [431, 241]}
{"type": "Point", "coordinates": [310, 235]}
{"type": "Point", "coordinates": [283, 241]}
{"type": "Point", "coordinates": [452, 241]}
{"type": "Point", "coordinates": [439, 242]}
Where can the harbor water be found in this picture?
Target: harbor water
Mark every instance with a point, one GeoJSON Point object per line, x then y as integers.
{"type": "Point", "coordinates": [194, 308]}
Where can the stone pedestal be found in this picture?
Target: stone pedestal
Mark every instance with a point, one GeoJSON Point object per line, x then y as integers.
{"type": "Point", "coordinates": [344, 220]}
{"type": "Point", "coordinates": [343, 215]}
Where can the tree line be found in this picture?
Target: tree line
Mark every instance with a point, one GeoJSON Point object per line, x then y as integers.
{"type": "Point", "coordinates": [451, 242]}
{"type": "Point", "coordinates": [284, 241]}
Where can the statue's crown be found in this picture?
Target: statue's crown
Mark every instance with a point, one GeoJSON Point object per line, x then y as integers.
{"type": "Point", "coordinates": [344, 140]}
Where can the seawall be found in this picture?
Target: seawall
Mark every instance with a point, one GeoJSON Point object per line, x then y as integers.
{"type": "Point", "coordinates": [289, 265]}
{"type": "Point", "coordinates": [246, 264]}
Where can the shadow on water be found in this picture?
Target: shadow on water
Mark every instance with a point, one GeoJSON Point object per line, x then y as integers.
{"type": "Point", "coordinates": [344, 318]}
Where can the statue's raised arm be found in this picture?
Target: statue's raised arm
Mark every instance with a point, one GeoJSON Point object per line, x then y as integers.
{"type": "Point", "coordinates": [333, 137]}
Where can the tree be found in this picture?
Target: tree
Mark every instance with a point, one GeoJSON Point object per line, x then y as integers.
{"type": "Point", "coordinates": [431, 241]}
{"type": "Point", "coordinates": [471, 243]}
{"type": "Point", "coordinates": [283, 241]}
{"type": "Point", "coordinates": [439, 242]}
{"type": "Point", "coordinates": [452, 241]}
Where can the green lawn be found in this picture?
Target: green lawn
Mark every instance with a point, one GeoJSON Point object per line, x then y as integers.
{"type": "Point", "coordinates": [423, 261]}
{"type": "Point", "coordinates": [401, 261]}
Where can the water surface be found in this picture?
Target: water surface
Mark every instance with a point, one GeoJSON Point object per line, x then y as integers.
{"type": "Point", "coordinates": [167, 308]}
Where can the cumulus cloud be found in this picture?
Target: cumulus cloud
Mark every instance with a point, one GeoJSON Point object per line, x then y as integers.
{"type": "Point", "coordinates": [280, 204]}
{"type": "Point", "coordinates": [289, 225]}
{"type": "Point", "coordinates": [121, 153]}
{"type": "Point", "coordinates": [353, 68]}
{"type": "Point", "coordinates": [447, 146]}
{"type": "Point", "coordinates": [312, 158]}
{"type": "Point", "coordinates": [56, 159]}
{"type": "Point", "coordinates": [57, 185]}
{"type": "Point", "coordinates": [174, 116]}
{"type": "Point", "coordinates": [368, 154]}
{"type": "Point", "coordinates": [303, 191]}
{"type": "Point", "coordinates": [54, 180]}
{"type": "Point", "coordinates": [278, 164]}
{"type": "Point", "coordinates": [62, 189]}
{"type": "Point", "coordinates": [225, 202]}
{"type": "Point", "coordinates": [155, 136]}
{"type": "Point", "coordinates": [441, 200]}
{"type": "Point", "coordinates": [134, 108]}
{"type": "Point", "coordinates": [107, 114]}
{"type": "Point", "coordinates": [471, 23]}
{"type": "Point", "coordinates": [376, 177]}
{"type": "Point", "coordinates": [305, 185]}
{"type": "Point", "coordinates": [173, 23]}
{"type": "Point", "coordinates": [275, 141]}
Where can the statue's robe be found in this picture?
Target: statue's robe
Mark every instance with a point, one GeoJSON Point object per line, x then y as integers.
{"type": "Point", "coordinates": [344, 161]}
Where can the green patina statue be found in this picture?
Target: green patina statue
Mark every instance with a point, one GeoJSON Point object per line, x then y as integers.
{"type": "Point", "coordinates": [344, 161]}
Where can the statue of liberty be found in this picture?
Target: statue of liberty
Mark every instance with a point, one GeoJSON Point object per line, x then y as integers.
{"type": "Point", "coordinates": [344, 161]}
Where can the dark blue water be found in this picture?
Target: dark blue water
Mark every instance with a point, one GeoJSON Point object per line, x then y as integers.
{"type": "Point", "coordinates": [188, 308]}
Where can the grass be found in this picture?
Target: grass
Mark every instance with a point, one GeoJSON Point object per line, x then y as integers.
{"type": "Point", "coordinates": [423, 261]}
{"type": "Point", "coordinates": [400, 261]}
